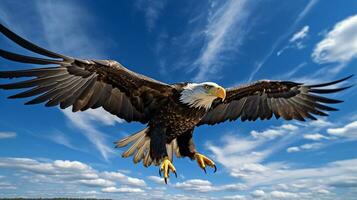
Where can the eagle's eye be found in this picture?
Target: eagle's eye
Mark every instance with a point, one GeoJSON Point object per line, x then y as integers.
{"type": "Point", "coordinates": [207, 87]}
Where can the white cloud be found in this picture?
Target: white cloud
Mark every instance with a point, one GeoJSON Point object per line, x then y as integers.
{"type": "Point", "coordinates": [310, 146]}
{"type": "Point", "coordinates": [223, 32]}
{"type": "Point", "coordinates": [248, 153]}
{"type": "Point", "coordinates": [97, 182]}
{"type": "Point", "coordinates": [73, 174]}
{"type": "Point", "coordinates": [315, 137]}
{"type": "Point", "coordinates": [323, 191]}
{"type": "Point", "coordinates": [337, 172]}
{"type": "Point", "coordinates": [199, 185]}
{"type": "Point", "coordinates": [296, 41]}
{"type": "Point", "coordinates": [6, 135]}
{"type": "Point", "coordinates": [349, 130]}
{"type": "Point", "coordinates": [234, 197]}
{"type": "Point", "coordinates": [232, 155]}
{"type": "Point", "coordinates": [274, 132]}
{"type": "Point", "coordinates": [300, 34]}
{"type": "Point", "coordinates": [320, 123]}
{"type": "Point", "coordinates": [156, 179]}
{"type": "Point", "coordinates": [243, 156]}
{"type": "Point", "coordinates": [7, 186]}
{"type": "Point", "coordinates": [293, 149]}
{"type": "Point", "coordinates": [258, 193]}
{"type": "Point", "coordinates": [307, 146]}
{"type": "Point", "coordinates": [72, 165]}
{"type": "Point", "coordinates": [122, 190]}
{"type": "Point", "coordinates": [339, 45]}
{"type": "Point", "coordinates": [283, 195]}
{"type": "Point", "coordinates": [115, 176]}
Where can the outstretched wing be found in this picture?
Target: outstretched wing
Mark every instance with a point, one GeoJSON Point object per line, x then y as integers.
{"type": "Point", "coordinates": [83, 84]}
{"type": "Point", "coordinates": [263, 99]}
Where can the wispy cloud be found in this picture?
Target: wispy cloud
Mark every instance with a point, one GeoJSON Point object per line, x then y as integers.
{"type": "Point", "coordinates": [308, 146]}
{"type": "Point", "coordinates": [60, 138]}
{"type": "Point", "coordinates": [306, 10]}
{"type": "Point", "coordinates": [224, 31]}
{"type": "Point", "coordinates": [86, 124]}
{"type": "Point", "coordinates": [291, 73]}
{"type": "Point", "coordinates": [60, 22]}
{"type": "Point", "coordinates": [315, 137]}
{"type": "Point", "coordinates": [6, 135]}
{"type": "Point", "coordinates": [282, 38]}
{"type": "Point", "coordinates": [300, 34]}
{"type": "Point", "coordinates": [152, 10]}
{"type": "Point", "coordinates": [296, 41]}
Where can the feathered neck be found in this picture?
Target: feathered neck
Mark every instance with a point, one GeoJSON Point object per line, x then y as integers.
{"type": "Point", "coordinates": [196, 97]}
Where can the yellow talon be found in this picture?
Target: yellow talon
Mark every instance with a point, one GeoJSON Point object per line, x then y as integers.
{"type": "Point", "coordinates": [165, 167]}
{"type": "Point", "coordinates": [203, 161]}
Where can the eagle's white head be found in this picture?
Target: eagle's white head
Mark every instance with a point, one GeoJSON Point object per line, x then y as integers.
{"type": "Point", "coordinates": [202, 95]}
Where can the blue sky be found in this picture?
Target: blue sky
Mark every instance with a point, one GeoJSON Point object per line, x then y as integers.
{"type": "Point", "coordinates": [50, 153]}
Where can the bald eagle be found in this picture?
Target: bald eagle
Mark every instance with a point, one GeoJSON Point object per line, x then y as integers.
{"type": "Point", "coordinates": [170, 111]}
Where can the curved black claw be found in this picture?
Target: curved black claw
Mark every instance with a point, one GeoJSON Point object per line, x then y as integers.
{"type": "Point", "coordinates": [166, 167]}
{"type": "Point", "coordinates": [203, 162]}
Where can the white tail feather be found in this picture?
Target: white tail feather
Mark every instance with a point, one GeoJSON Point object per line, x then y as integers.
{"type": "Point", "coordinates": [147, 160]}
{"type": "Point", "coordinates": [131, 138]}
{"type": "Point", "coordinates": [133, 147]}
{"type": "Point", "coordinates": [176, 148]}
{"type": "Point", "coordinates": [140, 148]}
{"type": "Point", "coordinates": [170, 151]}
{"type": "Point", "coordinates": [140, 154]}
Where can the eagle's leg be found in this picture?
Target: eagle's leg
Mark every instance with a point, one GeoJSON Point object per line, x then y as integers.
{"type": "Point", "coordinates": [187, 148]}
{"type": "Point", "coordinates": [203, 161]}
{"type": "Point", "coordinates": [158, 151]}
{"type": "Point", "coordinates": [165, 168]}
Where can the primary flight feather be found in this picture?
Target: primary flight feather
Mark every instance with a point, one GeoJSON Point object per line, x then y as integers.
{"type": "Point", "coordinates": [171, 111]}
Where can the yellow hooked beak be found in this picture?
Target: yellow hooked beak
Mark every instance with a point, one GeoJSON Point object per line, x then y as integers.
{"type": "Point", "coordinates": [220, 92]}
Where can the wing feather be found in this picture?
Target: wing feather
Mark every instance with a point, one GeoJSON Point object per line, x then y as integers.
{"type": "Point", "coordinates": [82, 83]}
{"type": "Point", "coordinates": [266, 98]}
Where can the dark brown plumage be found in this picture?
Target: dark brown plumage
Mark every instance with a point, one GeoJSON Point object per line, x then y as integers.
{"type": "Point", "coordinates": [171, 112]}
{"type": "Point", "coordinates": [266, 98]}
